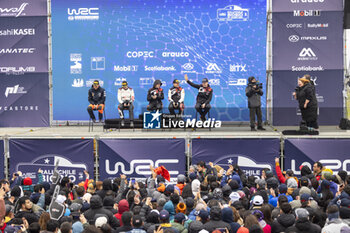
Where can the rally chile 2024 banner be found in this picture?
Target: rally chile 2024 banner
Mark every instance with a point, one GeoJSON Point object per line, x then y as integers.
{"type": "Point", "coordinates": [141, 41]}
{"type": "Point", "coordinates": [133, 157]}
{"type": "Point", "coordinates": [73, 156]}
{"type": "Point", "coordinates": [24, 86]}
{"type": "Point", "coordinates": [307, 39]}
{"type": "Point", "coordinates": [251, 155]}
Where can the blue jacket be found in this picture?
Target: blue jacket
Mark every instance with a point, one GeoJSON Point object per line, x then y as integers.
{"type": "Point", "coordinates": [273, 200]}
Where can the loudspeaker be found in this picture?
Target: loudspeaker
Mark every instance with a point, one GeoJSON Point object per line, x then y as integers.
{"type": "Point", "coordinates": [344, 124]}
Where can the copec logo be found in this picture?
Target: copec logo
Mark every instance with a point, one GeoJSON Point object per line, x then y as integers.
{"type": "Point", "coordinates": [83, 14]}
{"type": "Point", "coordinates": [139, 166]}
{"type": "Point", "coordinates": [14, 11]}
{"type": "Point", "coordinates": [334, 164]}
{"type": "Point", "coordinates": [75, 171]}
{"type": "Point", "coordinates": [138, 54]}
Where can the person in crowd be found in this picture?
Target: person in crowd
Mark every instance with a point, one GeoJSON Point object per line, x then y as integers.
{"type": "Point", "coordinates": [155, 96]}
{"type": "Point", "coordinates": [254, 92]}
{"type": "Point", "coordinates": [97, 98]}
{"type": "Point", "coordinates": [176, 97]}
{"type": "Point", "coordinates": [334, 224]}
{"type": "Point", "coordinates": [317, 170]}
{"type": "Point", "coordinates": [284, 220]}
{"type": "Point", "coordinates": [126, 98]}
{"type": "Point", "coordinates": [302, 223]}
{"type": "Point", "coordinates": [204, 96]}
{"type": "Point", "coordinates": [305, 94]}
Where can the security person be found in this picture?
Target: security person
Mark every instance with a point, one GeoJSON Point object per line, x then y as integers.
{"type": "Point", "coordinates": [126, 98]}
{"type": "Point", "coordinates": [176, 97]}
{"type": "Point", "coordinates": [97, 97]}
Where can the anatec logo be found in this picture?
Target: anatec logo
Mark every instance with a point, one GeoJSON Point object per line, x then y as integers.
{"type": "Point", "coordinates": [18, 32]}
{"type": "Point", "coordinates": [83, 14]}
{"type": "Point", "coordinates": [213, 68]}
{"type": "Point", "coordinates": [307, 54]}
{"type": "Point", "coordinates": [14, 11]}
{"type": "Point", "coordinates": [14, 90]}
{"type": "Point", "coordinates": [17, 50]}
{"type": "Point", "coordinates": [307, 13]}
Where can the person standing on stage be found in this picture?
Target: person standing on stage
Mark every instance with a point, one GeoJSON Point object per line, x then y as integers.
{"type": "Point", "coordinates": [126, 98]}
{"type": "Point", "coordinates": [254, 92]}
{"type": "Point", "coordinates": [155, 96]}
{"type": "Point", "coordinates": [205, 94]}
{"type": "Point", "coordinates": [97, 98]}
{"type": "Point", "coordinates": [176, 97]}
{"type": "Point", "coordinates": [306, 96]}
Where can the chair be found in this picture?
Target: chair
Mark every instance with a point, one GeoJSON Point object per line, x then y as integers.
{"type": "Point", "coordinates": [91, 123]}
{"type": "Point", "coordinates": [208, 118]}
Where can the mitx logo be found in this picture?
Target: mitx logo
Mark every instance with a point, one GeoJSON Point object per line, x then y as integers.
{"type": "Point", "coordinates": [247, 164]}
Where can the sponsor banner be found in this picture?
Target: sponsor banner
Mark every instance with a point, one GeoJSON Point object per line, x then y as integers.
{"type": "Point", "coordinates": [332, 153]}
{"type": "Point", "coordinates": [328, 85]}
{"type": "Point", "coordinates": [73, 156]}
{"type": "Point", "coordinates": [23, 45]}
{"type": "Point", "coordinates": [112, 42]}
{"type": "Point", "coordinates": [134, 157]}
{"type": "Point", "coordinates": [310, 41]}
{"type": "Point", "coordinates": [25, 100]}
{"type": "Point", "coordinates": [2, 160]}
{"type": "Point", "coordinates": [252, 155]}
{"type": "Point", "coordinates": [15, 9]}
{"type": "Point", "coordinates": [307, 5]}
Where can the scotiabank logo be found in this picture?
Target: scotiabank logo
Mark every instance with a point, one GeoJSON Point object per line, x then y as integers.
{"type": "Point", "coordinates": [307, 13]}
{"type": "Point", "coordinates": [83, 14]}
{"type": "Point", "coordinates": [14, 11]}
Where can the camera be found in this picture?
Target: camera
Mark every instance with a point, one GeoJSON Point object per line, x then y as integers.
{"type": "Point", "coordinates": [257, 84]}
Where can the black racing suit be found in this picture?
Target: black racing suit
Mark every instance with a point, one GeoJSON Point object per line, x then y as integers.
{"type": "Point", "coordinates": [155, 104]}
{"type": "Point", "coordinates": [309, 114]}
{"type": "Point", "coordinates": [254, 103]}
{"type": "Point", "coordinates": [176, 97]}
{"type": "Point", "coordinates": [204, 96]}
{"type": "Point", "coordinates": [96, 97]}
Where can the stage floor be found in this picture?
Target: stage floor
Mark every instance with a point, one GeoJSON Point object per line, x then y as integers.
{"type": "Point", "coordinates": [224, 132]}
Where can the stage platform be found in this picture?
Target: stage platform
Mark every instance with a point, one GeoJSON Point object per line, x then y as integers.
{"type": "Point", "coordinates": [242, 131]}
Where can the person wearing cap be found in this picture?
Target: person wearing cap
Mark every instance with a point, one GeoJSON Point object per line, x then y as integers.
{"type": "Point", "coordinates": [126, 97]}
{"type": "Point", "coordinates": [205, 94]}
{"type": "Point", "coordinates": [334, 224]}
{"type": "Point", "coordinates": [155, 96]}
{"type": "Point", "coordinates": [97, 98]}
{"type": "Point", "coordinates": [176, 97]}
{"type": "Point", "coordinates": [302, 223]}
{"type": "Point", "coordinates": [306, 96]}
{"type": "Point", "coordinates": [254, 92]}
{"type": "Point", "coordinates": [179, 221]}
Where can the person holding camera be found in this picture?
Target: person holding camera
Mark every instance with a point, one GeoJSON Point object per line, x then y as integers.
{"type": "Point", "coordinates": [306, 96]}
{"type": "Point", "coordinates": [155, 96]}
{"type": "Point", "coordinates": [126, 98]}
{"type": "Point", "coordinates": [176, 96]}
{"type": "Point", "coordinates": [254, 92]}
{"type": "Point", "coordinates": [205, 94]}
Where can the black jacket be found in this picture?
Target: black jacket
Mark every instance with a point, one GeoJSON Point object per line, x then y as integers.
{"type": "Point", "coordinates": [97, 96]}
{"type": "Point", "coordinates": [106, 186]}
{"type": "Point", "coordinates": [155, 91]}
{"type": "Point", "coordinates": [29, 215]}
{"type": "Point", "coordinates": [282, 223]}
{"type": "Point", "coordinates": [254, 96]}
{"type": "Point", "coordinates": [304, 226]}
{"type": "Point", "coordinates": [306, 92]}
{"type": "Point", "coordinates": [205, 94]}
{"type": "Point", "coordinates": [96, 209]}
{"type": "Point", "coordinates": [212, 225]}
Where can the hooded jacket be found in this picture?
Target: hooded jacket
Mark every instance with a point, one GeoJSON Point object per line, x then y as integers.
{"type": "Point", "coordinates": [204, 95]}
{"type": "Point", "coordinates": [303, 225]}
{"type": "Point", "coordinates": [282, 223]}
{"type": "Point", "coordinates": [254, 95]}
{"type": "Point", "coordinates": [123, 206]}
{"type": "Point", "coordinates": [106, 186]}
{"type": "Point", "coordinates": [96, 209]}
{"type": "Point", "coordinates": [97, 96]}
{"type": "Point", "coordinates": [169, 206]}
{"type": "Point", "coordinates": [155, 91]}
{"type": "Point", "coordinates": [227, 216]}
{"type": "Point", "coordinates": [333, 226]}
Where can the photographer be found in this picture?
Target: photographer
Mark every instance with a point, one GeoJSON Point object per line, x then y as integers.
{"type": "Point", "coordinates": [126, 98]}
{"type": "Point", "coordinates": [155, 96]}
{"type": "Point", "coordinates": [176, 96]}
{"type": "Point", "coordinates": [254, 92]}
{"type": "Point", "coordinates": [306, 96]}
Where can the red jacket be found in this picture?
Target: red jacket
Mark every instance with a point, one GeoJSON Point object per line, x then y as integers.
{"type": "Point", "coordinates": [280, 176]}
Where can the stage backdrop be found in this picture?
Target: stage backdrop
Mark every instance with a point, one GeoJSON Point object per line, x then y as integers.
{"type": "Point", "coordinates": [141, 41]}
{"type": "Point", "coordinates": [133, 157]}
{"type": "Point", "coordinates": [74, 156]}
{"type": "Point", "coordinates": [333, 153]}
{"type": "Point", "coordinates": [307, 39]}
{"type": "Point", "coordinates": [252, 155]}
{"type": "Point", "coordinates": [24, 86]}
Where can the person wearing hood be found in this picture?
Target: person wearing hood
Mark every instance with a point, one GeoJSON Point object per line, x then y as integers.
{"type": "Point", "coordinates": [334, 224]}
{"type": "Point", "coordinates": [96, 209]}
{"type": "Point", "coordinates": [227, 216]}
{"type": "Point", "coordinates": [106, 186]}
{"type": "Point", "coordinates": [205, 94]}
{"type": "Point", "coordinates": [302, 223]}
{"type": "Point", "coordinates": [284, 220]}
{"type": "Point", "coordinates": [123, 206]}
{"type": "Point", "coordinates": [216, 220]}
{"type": "Point", "coordinates": [169, 206]}
{"type": "Point", "coordinates": [155, 96]}
{"type": "Point", "coordinates": [254, 92]}
{"type": "Point", "coordinates": [97, 98]}
{"type": "Point", "coordinates": [108, 204]}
